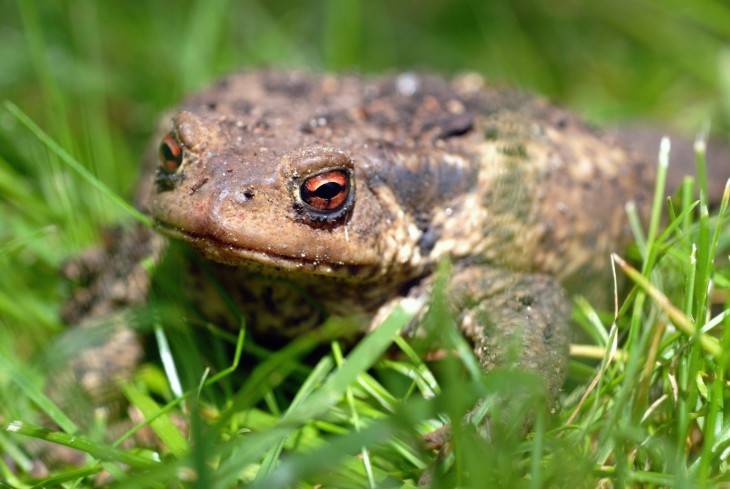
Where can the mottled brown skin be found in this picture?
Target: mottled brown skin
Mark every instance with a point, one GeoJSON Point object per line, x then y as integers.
{"type": "Point", "coordinates": [520, 196]}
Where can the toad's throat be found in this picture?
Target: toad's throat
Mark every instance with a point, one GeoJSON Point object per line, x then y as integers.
{"type": "Point", "coordinates": [222, 251]}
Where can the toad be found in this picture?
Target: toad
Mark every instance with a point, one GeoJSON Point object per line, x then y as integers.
{"type": "Point", "coordinates": [308, 196]}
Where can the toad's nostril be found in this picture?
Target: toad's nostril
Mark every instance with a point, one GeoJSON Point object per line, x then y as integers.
{"type": "Point", "coordinates": [243, 196]}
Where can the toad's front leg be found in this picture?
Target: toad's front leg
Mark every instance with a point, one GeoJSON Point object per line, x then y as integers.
{"type": "Point", "coordinates": [514, 319]}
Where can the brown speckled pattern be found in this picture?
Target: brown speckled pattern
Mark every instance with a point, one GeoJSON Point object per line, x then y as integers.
{"type": "Point", "coordinates": [519, 195]}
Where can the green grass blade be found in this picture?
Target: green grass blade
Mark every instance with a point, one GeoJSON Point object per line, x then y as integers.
{"type": "Point", "coordinates": [318, 374]}
{"type": "Point", "coordinates": [686, 325]}
{"type": "Point", "coordinates": [46, 405]}
{"type": "Point", "coordinates": [81, 443]}
{"type": "Point", "coordinates": [73, 164]}
{"type": "Point", "coordinates": [359, 360]}
{"type": "Point", "coordinates": [164, 427]}
{"type": "Point", "coordinates": [300, 467]}
{"type": "Point", "coordinates": [69, 476]}
{"type": "Point", "coordinates": [659, 186]}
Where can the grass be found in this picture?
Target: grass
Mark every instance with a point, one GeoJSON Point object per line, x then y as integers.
{"type": "Point", "coordinates": [645, 400]}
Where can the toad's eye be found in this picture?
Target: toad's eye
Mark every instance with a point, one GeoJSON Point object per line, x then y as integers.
{"type": "Point", "coordinates": [326, 192]}
{"type": "Point", "coordinates": [171, 154]}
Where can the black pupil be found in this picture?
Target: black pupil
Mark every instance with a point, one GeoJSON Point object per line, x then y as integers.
{"type": "Point", "coordinates": [328, 191]}
{"type": "Point", "coordinates": [167, 153]}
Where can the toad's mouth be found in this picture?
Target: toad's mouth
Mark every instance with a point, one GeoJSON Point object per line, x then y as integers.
{"type": "Point", "coordinates": [222, 251]}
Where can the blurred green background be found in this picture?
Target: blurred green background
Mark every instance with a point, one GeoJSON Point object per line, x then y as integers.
{"type": "Point", "coordinates": [608, 59]}
{"type": "Point", "coordinates": [96, 75]}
